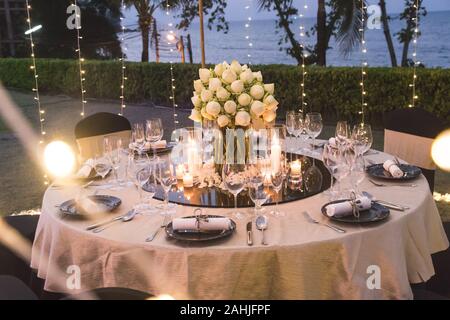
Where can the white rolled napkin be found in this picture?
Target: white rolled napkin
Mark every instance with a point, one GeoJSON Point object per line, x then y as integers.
{"type": "Point", "coordinates": [86, 169]}
{"type": "Point", "coordinates": [343, 209]}
{"type": "Point", "coordinates": [211, 225]}
{"type": "Point", "coordinates": [391, 167]}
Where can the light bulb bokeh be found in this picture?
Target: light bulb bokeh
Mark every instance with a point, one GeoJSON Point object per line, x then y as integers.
{"type": "Point", "coordinates": [59, 159]}
{"type": "Point", "coordinates": [440, 150]}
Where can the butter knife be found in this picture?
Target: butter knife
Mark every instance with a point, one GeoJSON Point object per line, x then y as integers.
{"type": "Point", "coordinates": [249, 234]}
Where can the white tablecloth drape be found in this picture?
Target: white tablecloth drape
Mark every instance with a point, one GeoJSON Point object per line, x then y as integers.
{"type": "Point", "coordinates": [302, 260]}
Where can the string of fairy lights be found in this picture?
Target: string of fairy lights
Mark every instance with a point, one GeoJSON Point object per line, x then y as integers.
{"type": "Point", "coordinates": [247, 25]}
{"type": "Point", "coordinates": [415, 97]}
{"type": "Point", "coordinates": [302, 34]}
{"type": "Point", "coordinates": [171, 38]}
{"type": "Point", "coordinates": [82, 72]}
{"type": "Point", "coordinates": [364, 63]}
{"type": "Point", "coordinates": [37, 98]}
{"type": "Point", "coordinates": [123, 66]}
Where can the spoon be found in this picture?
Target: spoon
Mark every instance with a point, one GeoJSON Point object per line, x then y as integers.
{"type": "Point", "coordinates": [261, 225]}
{"type": "Point", "coordinates": [127, 217]}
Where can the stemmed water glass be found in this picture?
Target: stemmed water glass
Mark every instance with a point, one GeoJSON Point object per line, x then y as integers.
{"type": "Point", "coordinates": [258, 195]}
{"type": "Point", "coordinates": [154, 133]}
{"type": "Point", "coordinates": [314, 126]}
{"type": "Point", "coordinates": [167, 178]}
{"type": "Point", "coordinates": [276, 181]}
{"type": "Point", "coordinates": [290, 123]}
{"type": "Point", "coordinates": [112, 149]}
{"type": "Point", "coordinates": [101, 166]}
{"type": "Point", "coordinates": [362, 138]}
{"type": "Point", "coordinates": [234, 180]}
{"type": "Point", "coordinates": [300, 129]}
{"type": "Point", "coordinates": [357, 173]}
{"type": "Point", "coordinates": [342, 130]}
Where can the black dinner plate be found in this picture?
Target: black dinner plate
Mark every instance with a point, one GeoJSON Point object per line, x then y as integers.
{"type": "Point", "coordinates": [166, 149]}
{"type": "Point", "coordinates": [376, 213]}
{"type": "Point", "coordinates": [72, 208]}
{"type": "Point", "coordinates": [199, 236]}
{"type": "Point", "coordinates": [410, 172]}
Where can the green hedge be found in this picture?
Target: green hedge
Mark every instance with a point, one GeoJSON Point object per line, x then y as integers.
{"type": "Point", "coordinates": [333, 91]}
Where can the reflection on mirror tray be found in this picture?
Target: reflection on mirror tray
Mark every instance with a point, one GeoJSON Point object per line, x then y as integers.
{"type": "Point", "coordinates": [315, 181]}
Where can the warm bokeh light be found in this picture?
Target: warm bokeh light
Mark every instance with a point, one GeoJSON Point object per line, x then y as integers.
{"type": "Point", "coordinates": [170, 37]}
{"type": "Point", "coordinates": [440, 151]}
{"type": "Point", "coordinates": [59, 158]}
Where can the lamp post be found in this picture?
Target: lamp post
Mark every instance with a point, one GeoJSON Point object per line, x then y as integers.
{"type": "Point", "coordinates": [202, 31]}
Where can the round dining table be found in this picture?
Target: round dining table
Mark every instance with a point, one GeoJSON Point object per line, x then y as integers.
{"type": "Point", "coordinates": [302, 260]}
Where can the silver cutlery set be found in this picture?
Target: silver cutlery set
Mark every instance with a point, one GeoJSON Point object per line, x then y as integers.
{"type": "Point", "coordinates": [262, 223]}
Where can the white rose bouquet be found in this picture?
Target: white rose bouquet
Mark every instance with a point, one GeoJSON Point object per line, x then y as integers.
{"type": "Point", "coordinates": [233, 95]}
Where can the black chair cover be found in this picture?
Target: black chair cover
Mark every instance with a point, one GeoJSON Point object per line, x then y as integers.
{"type": "Point", "coordinates": [101, 123]}
{"type": "Point", "coordinates": [418, 122]}
{"type": "Point", "coordinates": [12, 288]}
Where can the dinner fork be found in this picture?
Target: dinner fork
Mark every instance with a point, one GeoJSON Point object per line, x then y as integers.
{"type": "Point", "coordinates": [378, 184]}
{"type": "Point", "coordinates": [155, 233]}
{"type": "Point", "coordinates": [312, 220]}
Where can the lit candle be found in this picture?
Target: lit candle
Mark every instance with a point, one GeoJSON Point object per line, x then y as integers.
{"type": "Point", "coordinates": [192, 157]}
{"type": "Point", "coordinates": [179, 171]}
{"type": "Point", "coordinates": [275, 156]}
{"type": "Point", "coordinates": [296, 168]}
{"type": "Point", "coordinates": [188, 180]}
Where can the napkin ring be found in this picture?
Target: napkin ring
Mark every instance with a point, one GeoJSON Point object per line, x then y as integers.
{"type": "Point", "coordinates": [199, 217]}
{"type": "Point", "coordinates": [354, 204]}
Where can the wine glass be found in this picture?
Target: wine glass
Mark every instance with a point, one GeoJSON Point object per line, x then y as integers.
{"type": "Point", "coordinates": [258, 195]}
{"type": "Point", "coordinates": [300, 129]}
{"type": "Point", "coordinates": [138, 138]}
{"type": "Point", "coordinates": [357, 173]}
{"type": "Point", "coordinates": [154, 133]}
{"type": "Point", "coordinates": [234, 180]}
{"type": "Point", "coordinates": [276, 181]}
{"type": "Point", "coordinates": [112, 149]}
{"type": "Point", "coordinates": [101, 166]}
{"type": "Point", "coordinates": [142, 178]}
{"type": "Point", "coordinates": [362, 137]}
{"type": "Point", "coordinates": [167, 178]}
{"type": "Point", "coordinates": [330, 160]}
{"type": "Point", "coordinates": [342, 130]}
{"type": "Point", "coordinates": [290, 124]}
{"type": "Point", "coordinates": [314, 126]}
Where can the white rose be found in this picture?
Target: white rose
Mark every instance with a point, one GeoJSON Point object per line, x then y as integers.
{"type": "Point", "coordinates": [247, 76]}
{"type": "Point", "coordinates": [213, 108]}
{"type": "Point", "coordinates": [206, 95]}
{"type": "Point", "coordinates": [258, 76]}
{"type": "Point", "coordinates": [196, 101]}
{"type": "Point", "coordinates": [270, 88]}
{"type": "Point", "coordinates": [223, 120]}
{"type": "Point", "coordinates": [195, 115]}
{"type": "Point", "coordinates": [244, 99]}
{"type": "Point", "coordinates": [242, 119]}
{"type": "Point", "coordinates": [222, 94]}
{"type": "Point", "coordinates": [204, 74]}
{"type": "Point", "coordinates": [269, 116]}
{"type": "Point", "coordinates": [226, 65]}
{"type": "Point", "coordinates": [198, 86]}
{"type": "Point", "coordinates": [237, 86]}
{"type": "Point", "coordinates": [258, 108]}
{"type": "Point", "coordinates": [219, 69]}
{"type": "Point", "coordinates": [230, 107]}
{"type": "Point", "coordinates": [206, 114]}
{"type": "Point", "coordinates": [271, 102]}
{"type": "Point", "coordinates": [229, 76]}
{"type": "Point", "coordinates": [244, 67]}
{"type": "Point", "coordinates": [236, 67]}
{"type": "Point", "coordinates": [257, 92]}
{"type": "Point", "coordinates": [214, 84]}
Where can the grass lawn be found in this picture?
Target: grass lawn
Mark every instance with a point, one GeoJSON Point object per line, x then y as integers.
{"type": "Point", "coordinates": [20, 176]}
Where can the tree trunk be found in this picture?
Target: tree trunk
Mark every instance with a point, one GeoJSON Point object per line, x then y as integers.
{"type": "Point", "coordinates": [189, 44]}
{"type": "Point", "coordinates": [144, 25]}
{"type": "Point", "coordinates": [387, 32]}
{"type": "Point", "coordinates": [321, 46]}
{"type": "Point", "coordinates": [156, 39]}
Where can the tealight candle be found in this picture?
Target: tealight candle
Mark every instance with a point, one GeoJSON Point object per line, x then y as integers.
{"type": "Point", "coordinates": [296, 168]}
{"type": "Point", "coordinates": [179, 171]}
{"type": "Point", "coordinates": [188, 180]}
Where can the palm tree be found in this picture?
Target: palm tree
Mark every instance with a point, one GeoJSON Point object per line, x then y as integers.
{"type": "Point", "coordinates": [145, 10]}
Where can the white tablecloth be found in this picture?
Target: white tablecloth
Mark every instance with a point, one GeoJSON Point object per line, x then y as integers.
{"type": "Point", "coordinates": [302, 260]}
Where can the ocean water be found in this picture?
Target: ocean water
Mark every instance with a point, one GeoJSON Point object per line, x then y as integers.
{"type": "Point", "coordinates": [433, 45]}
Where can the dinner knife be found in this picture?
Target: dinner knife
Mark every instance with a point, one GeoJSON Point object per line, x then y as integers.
{"type": "Point", "coordinates": [249, 234]}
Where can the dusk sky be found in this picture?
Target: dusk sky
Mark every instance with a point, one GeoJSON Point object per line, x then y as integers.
{"type": "Point", "coordinates": [235, 8]}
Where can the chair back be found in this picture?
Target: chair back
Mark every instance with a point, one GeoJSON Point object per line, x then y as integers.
{"type": "Point", "coordinates": [409, 134]}
{"type": "Point", "coordinates": [90, 131]}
